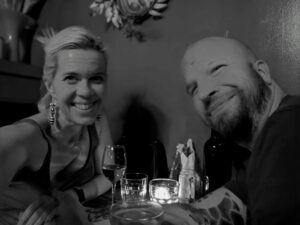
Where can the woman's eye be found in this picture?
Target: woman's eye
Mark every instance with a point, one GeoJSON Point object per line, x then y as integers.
{"type": "Point", "coordinates": [71, 79]}
{"type": "Point", "coordinates": [98, 78]}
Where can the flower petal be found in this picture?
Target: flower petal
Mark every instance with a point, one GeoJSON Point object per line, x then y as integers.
{"type": "Point", "coordinates": [154, 13]}
{"type": "Point", "coordinates": [159, 6]}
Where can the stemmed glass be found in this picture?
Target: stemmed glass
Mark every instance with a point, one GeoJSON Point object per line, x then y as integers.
{"type": "Point", "coordinates": [114, 164]}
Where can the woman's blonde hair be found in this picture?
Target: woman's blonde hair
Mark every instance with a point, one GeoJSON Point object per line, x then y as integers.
{"type": "Point", "coordinates": [73, 37]}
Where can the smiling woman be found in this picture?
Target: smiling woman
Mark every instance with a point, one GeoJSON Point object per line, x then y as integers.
{"type": "Point", "coordinates": [56, 154]}
{"type": "Point", "coordinates": [78, 85]}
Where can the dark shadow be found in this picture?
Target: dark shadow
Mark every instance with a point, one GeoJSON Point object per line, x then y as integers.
{"type": "Point", "coordinates": [36, 9]}
{"type": "Point", "coordinates": [223, 160]}
{"type": "Point", "coordinates": [145, 153]}
{"type": "Point", "coordinates": [11, 112]}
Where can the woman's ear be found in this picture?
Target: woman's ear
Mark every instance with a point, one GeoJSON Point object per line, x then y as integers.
{"type": "Point", "coordinates": [48, 86]}
{"type": "Point", "coordinates": [262, 68]}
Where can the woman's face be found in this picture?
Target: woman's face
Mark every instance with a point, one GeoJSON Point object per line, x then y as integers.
{"type": "Point", "coordinates": [78, 86]}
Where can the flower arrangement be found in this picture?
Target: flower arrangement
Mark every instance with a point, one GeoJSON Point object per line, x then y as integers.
{"type": "Point", "coordinates": [125, 14]}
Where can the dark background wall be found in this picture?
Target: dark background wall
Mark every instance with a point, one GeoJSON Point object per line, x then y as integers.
{"type": "Point", "coordinates": [146, 76]}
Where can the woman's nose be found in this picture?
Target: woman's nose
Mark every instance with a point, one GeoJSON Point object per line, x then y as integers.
{"type": "Point", "coordinates": [84, 89]}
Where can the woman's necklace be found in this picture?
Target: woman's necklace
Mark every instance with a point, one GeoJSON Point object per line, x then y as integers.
{"type": "Point", "coordinates": [76, 143]}
{"type": "Point", "coordinates": [73, 144]}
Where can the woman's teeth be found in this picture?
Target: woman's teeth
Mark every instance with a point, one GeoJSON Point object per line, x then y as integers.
{"type": "Point", "coordinates": [83, 106]}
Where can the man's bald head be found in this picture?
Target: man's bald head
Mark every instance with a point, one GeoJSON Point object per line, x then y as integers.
{"type": "Point", "coordinates": [228, 84]}
{"type": "Point", "coordinates": [218, 46]}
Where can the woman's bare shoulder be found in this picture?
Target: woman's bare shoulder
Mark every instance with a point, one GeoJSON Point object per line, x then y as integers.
{"type": "Point", "coordinates": [21, 145]}
{"type": "Point", "coordinates": [21, 133]}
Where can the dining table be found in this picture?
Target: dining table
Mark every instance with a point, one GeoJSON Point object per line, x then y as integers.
{"type": "Point", "coordinates": [98, 212]}
{"type": "Point", "coordinates": [98, 209]}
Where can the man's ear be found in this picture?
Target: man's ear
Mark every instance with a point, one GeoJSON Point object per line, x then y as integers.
{"type": "Point", "coordinates": [262, 68]}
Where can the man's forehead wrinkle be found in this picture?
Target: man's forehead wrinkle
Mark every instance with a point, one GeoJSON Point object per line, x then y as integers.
{"type": "Point", "coordinates": [193, 55]}
{"type": "Point", "coordinates": [191, 62]}
{"type": "Point", "coordinates": [189, 58]}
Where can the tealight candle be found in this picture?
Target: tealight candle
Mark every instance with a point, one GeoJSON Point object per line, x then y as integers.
{"type": "Point", "coordinates": [163, 191]}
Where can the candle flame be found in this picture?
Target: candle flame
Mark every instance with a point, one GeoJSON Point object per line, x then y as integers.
{"type": "Point", "coordinates": [162, 193]}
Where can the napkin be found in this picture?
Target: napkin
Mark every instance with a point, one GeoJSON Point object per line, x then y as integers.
{"type": "Point", "coordinates": [188, 176]}
{"type": "Point", "coordinates": [187, 155]}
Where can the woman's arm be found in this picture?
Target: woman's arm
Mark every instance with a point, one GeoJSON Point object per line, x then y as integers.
{"type": "Point", "coordinates": [12, 156]}
{"type": "Point", "coordinates": [21, 145]}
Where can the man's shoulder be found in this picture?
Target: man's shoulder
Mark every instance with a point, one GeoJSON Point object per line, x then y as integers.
{"type": "Point", "coordinates": [289, 102]}
{"type": "Point", "coordinates": [282, 126]}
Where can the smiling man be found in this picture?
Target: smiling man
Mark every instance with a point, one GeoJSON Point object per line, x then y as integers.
{"type": "Point", "coordinates": [234, 94]}
{"type": "Point", "coordinates": [230, 87]}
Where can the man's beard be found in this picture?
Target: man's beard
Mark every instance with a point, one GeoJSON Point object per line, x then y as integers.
{"type": "Point", "coordinates": [241, 126]}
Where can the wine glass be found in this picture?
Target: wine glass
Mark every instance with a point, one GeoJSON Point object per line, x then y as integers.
{"type": "Point", "coordinates": [114, 164]}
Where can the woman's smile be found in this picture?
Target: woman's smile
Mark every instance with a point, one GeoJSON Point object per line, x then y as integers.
{"type": "Point", "coordinates": [85, 106]}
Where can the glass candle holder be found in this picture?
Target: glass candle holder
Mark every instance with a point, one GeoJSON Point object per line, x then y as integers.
{"type": "Point", "coordinates": [163, 191]}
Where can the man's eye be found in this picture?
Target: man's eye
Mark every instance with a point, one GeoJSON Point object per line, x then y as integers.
{"type": "Point", "coordinates": [192, 90]}
{"type": "Point", "coordinates": [216, 68]}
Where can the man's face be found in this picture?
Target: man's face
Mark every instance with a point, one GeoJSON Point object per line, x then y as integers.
{"type": "Point", "coordinates": [78, 85]}
{"type": "Point", "coordinates": [227, 92]}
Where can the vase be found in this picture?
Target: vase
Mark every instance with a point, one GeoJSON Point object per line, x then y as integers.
{"type": "Point", "coordinates": [17, 31]}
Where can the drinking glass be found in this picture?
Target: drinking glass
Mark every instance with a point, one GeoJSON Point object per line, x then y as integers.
{"type": "Point", "coordinates": [114, 164]}
{"type": "Point", "coordinates": [134, 187]}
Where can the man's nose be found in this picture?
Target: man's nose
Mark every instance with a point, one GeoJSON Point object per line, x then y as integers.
{"type": "Point", "coordinates": [207, 96]}
{"type": "Point", "coordinates": [207, 90]}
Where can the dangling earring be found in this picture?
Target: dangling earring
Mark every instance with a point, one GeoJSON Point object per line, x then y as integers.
{"type": "Point", "coordinates": [52, 113]}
